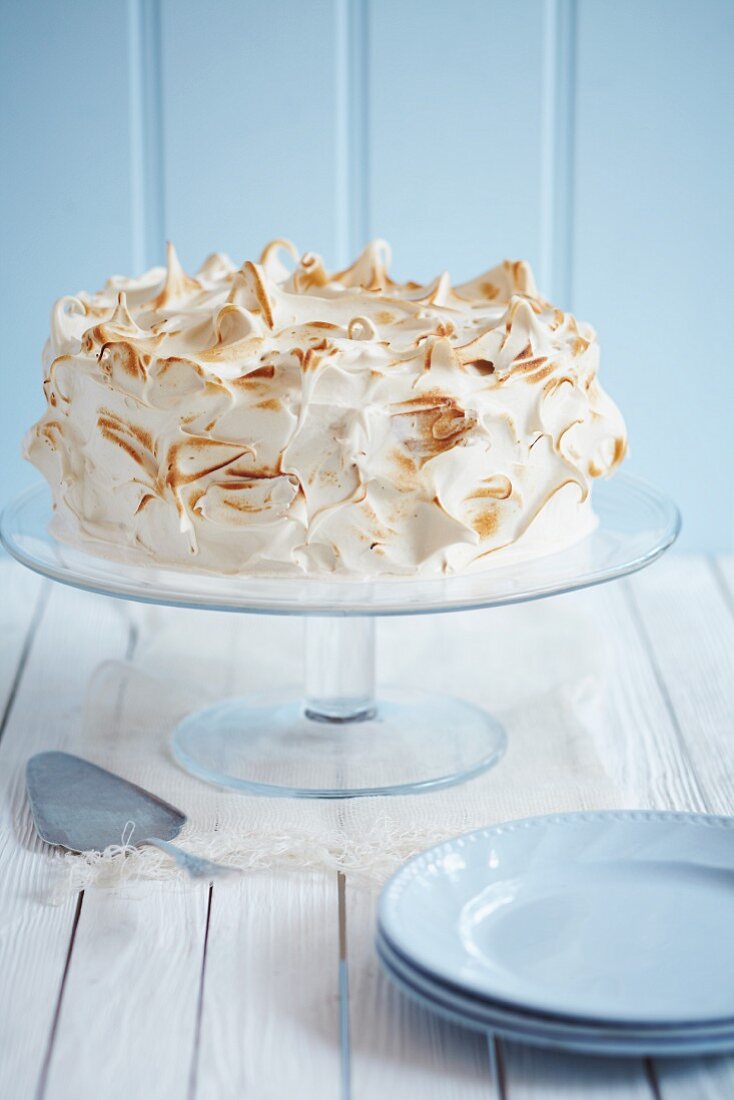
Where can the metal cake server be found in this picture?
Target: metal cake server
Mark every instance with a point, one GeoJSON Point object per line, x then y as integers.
{"type": "Point", "coordinates": [82, 807]}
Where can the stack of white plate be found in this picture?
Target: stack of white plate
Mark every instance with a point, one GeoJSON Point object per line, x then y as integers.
{"type": "Point", "coordinates": [608, 933]}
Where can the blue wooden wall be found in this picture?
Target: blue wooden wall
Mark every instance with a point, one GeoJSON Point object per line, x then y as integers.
{"type": "Point", "coordinates": [593, 137]}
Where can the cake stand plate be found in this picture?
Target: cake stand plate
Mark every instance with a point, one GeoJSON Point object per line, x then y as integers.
{"type": "Point", "coordinates": [343, 740]}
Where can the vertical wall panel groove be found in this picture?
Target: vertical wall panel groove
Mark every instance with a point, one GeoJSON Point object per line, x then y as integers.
{"type": "Point", "coordinates": [342, 227]}
{"type": "Point", "coordinates": [359, 90]}
{"type": "Point", "coordinates": [137, 152]}
{"type": "Point", "coordinates": [558, 151]}
{"type": "Point", "coordinates": [146, 133]}
{"type": "Point", "coordinates": [353, 129]}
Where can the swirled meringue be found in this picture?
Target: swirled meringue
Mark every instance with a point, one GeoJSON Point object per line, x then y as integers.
{"type": "Point", "coordinates": [267, 419]}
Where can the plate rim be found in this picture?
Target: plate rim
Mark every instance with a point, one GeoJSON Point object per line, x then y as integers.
{"type": "Point", "coordinates": [609, 1047]}
{"type": "Point", "coordinates": [586, 1026]}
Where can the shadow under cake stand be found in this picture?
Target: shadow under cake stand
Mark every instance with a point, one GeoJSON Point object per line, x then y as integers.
{"type": "Point", "coordinates": [343, 739]}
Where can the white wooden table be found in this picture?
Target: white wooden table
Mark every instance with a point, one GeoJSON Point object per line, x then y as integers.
{"type": "Point", "coordinates": [158, 992]}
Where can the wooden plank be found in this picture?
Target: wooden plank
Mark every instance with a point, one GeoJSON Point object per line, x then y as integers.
{"type": "Point", "coordinates": [144, 939]}
{"type": "Point", "coordinates": [66, 179]}
{"type": "Point", "coordinates": [686, 619]}
{"type": "Point", "coordinates": [76, 632]}
{"type": "Point", "coordinates": [635, 734]}
{"type": "Point", "coordinates": [128, 1019]}
{"type": "Point", "coordinates": [723, 567]}
{"type": "Point", "coordinates": [20, 611]}
{"type": "Point", "coordinates": [695, 1079]}
{"type": "Point", "coordinates": [199, 1016]}
{"type": "Point", "coordinates": [397, 1048]}
{"type": "Point", "coordinates": [270, 1007]}
{"type": "Point", "coordinates": [646, 72]}
{"type": "Point", "coordinates": [256, 84]}
{"type": "Point", "coordinates": [455, 149]}
{"type": "Point", "coordinates": [690, 630]}
{"type": "Point", "coordinates": [553, 1075]}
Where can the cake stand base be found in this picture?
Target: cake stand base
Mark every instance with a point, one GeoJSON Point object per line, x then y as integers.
{"type": "Point", "coordinates": [404, 744]}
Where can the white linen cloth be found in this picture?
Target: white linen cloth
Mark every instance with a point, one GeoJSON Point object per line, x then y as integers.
{"type": "Point", "coordinates": [539, 667]}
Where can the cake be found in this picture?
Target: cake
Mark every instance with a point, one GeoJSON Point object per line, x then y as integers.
{"type": "Point", "coordinates": [279, 419]}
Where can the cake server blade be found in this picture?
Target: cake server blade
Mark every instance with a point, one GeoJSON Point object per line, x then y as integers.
{"type": "Point", "coordinates": [83, 807]}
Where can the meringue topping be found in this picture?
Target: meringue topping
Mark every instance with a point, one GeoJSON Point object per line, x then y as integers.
{"type": "Point", "coordinates": [275, 418]}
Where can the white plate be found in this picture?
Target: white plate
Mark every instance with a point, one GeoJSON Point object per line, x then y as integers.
{"type": "Point", "coordinates": [579, 1040]}
{"type": "Point", "coordinates": [495, 1015]}
{"type": "Point", "coordinates": [623, 917]}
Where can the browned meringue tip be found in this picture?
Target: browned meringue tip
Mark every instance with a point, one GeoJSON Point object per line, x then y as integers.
{"type": "Point", "coordinates": [253, 277]}
{"type": "Point", "coordinates": [177, 283]}
{"type": "Point", "coordinates": [370, 270]}
{"type": "Point", "coordinates": [275, 246]}
{"type": "Point", "coordinates": [121, 317]}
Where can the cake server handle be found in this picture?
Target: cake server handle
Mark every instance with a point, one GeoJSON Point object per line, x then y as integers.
{"type": "Point", "coordinates": [195, 866]}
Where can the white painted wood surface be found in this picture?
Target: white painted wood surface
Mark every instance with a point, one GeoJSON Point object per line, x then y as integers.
{"type": "Point", "coordinates": [61, 647]}
{"type": "Point", "coordinates": [163, 990]}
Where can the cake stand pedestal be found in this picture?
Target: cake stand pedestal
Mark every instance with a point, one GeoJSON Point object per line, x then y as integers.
{"type": "Point", "coordinates": [344, 739]}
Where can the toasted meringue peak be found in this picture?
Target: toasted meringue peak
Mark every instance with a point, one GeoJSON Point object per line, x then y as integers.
{"type": "Point", "coordinates": [121, 317]}
{"type": "Point", "coordinates": [217, 266]}
{"type": "Point", "coordinates": [271, 262]}
{"type": "Point", "coordinates": [277, 418]}
{"type": "Point", "coordinates": [369, 270]}
{"type": "Point", "coordinates": [361, 328]}
{"type": "Point", "coordinates": [68, 322]}
{"type": "Point", "coordinates": [177, 285]}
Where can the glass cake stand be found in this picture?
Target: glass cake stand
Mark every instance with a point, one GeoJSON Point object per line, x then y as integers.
{"type": "Point", "coordinates": [343, 740]}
